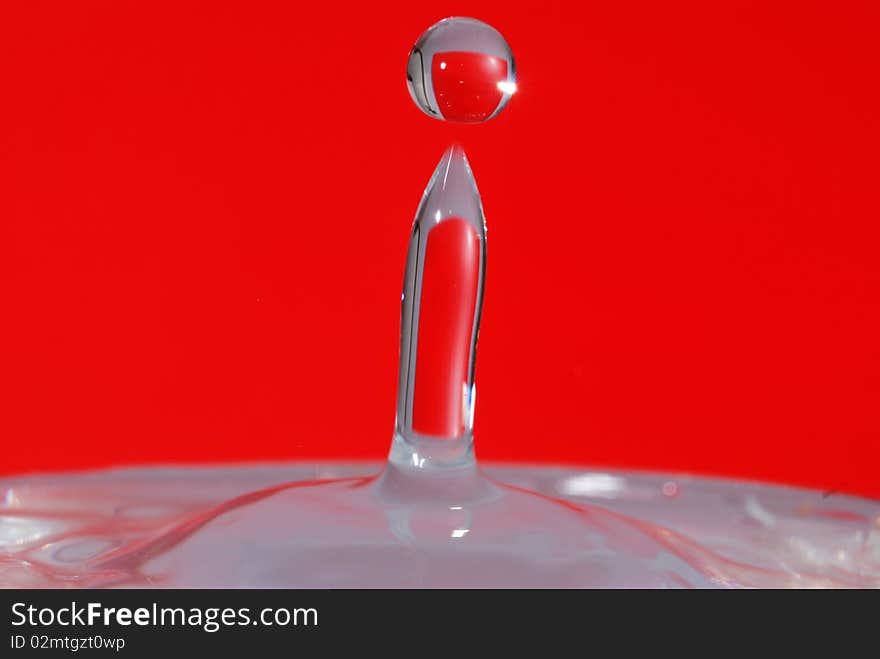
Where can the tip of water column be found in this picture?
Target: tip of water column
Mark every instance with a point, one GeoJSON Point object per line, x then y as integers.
{"type": "Point", "coordinates": [452, 192]}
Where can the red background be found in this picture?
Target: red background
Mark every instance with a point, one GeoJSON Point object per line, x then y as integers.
{"type": "Point", "coordinates": [204, 209]}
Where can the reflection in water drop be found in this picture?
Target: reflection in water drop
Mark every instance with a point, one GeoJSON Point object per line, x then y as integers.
{"type": "Point", "coordinates": [461, 70]}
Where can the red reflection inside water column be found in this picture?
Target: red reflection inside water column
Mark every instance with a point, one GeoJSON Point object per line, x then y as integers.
{"type": "Point", "coordinates": [446, 325]}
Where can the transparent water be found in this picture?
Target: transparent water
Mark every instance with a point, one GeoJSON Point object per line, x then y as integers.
{"type": "Point", "coordinates": [337, 525]}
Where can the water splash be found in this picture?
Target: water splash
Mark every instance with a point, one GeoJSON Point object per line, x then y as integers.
{"type": "Point", "coordinates": [430, 517]}
{"type": "Point", "coordinates": [217, 527]}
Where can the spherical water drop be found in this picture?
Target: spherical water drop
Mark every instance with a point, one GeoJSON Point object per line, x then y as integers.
{"type": "Point", "coordinates": [461, 70]}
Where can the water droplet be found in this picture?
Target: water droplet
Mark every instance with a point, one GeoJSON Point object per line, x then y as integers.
{"type": "Point", "coordinates": [461, 70]}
